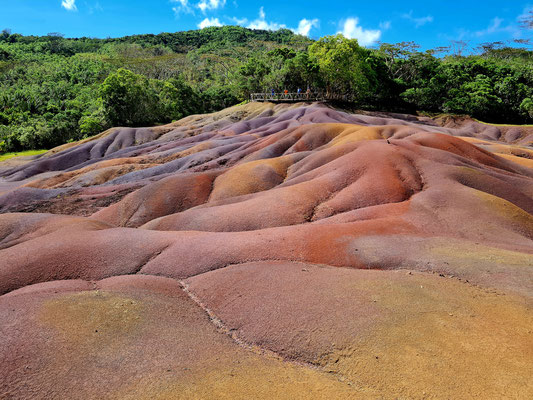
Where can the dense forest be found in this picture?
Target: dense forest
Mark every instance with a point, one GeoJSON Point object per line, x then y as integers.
{"type": "Point", "coordinates": [54, 90]}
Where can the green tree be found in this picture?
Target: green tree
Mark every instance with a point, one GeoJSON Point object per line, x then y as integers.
{"type": "Point", "coordinates": [526, 107]}
{"type": "Point", "coordinates": [475, 98]}
{"type": "Point", "coordinates": [128, 99]}
{"type": "Point", "coordinates": [177, 99]}
{"type": "Point", "coordinates": [252, 76]}
{"type": "Point", "coordinates": [344, 66]}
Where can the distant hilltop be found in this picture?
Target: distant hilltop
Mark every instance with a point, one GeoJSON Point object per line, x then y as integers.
{"type": "Point", "coordinates": [55, 90]}
{"type": "Point", "coordinates": [179, 42]}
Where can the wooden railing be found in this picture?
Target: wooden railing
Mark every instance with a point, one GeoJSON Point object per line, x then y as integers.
{"type": "Point", "coordinates": [297, 97]}
{"type": "Point", "coordinates": [287, 97]}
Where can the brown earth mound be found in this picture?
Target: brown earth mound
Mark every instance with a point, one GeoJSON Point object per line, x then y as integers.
{"type": "Point", "coordinates": [271, 251]}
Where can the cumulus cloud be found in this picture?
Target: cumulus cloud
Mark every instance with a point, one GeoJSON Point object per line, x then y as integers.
{"type": "Point", "coordinates": [418, 21]}
{"type": "Point", "coordinates": [239, 21]}
{"type": "Point", "coordinates": [205, 5]}
{"type": "Point", "coordinates": [69, 5]}
{"type": "Point", "coordinates": [262, 23]}
{"type": "Point", "coordinates": [305, 26]}
{"type": "Point", "coordinates": [183, 6]}
{"type": "Point", "coordinates": [209, 22]}
{"type": "Point", "coordinates": [365, 37]}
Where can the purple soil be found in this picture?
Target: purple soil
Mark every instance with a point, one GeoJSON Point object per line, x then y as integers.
{"type": "Point", "coordinates": [254, 210]}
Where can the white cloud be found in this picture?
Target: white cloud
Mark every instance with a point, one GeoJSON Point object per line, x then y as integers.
{"type": "Point", "coordinates": [261, 23]}
{"type": "Point", "coordinates": [386, 25]}
{"type": "Point", "coordinates": [419, 21]}
{"type": "Point", "coordinates": [305, 26]}
{"type": "Point", "coordinates": [240, 21]}
{"type": "Point", "coordinates": [183, 6]}
{"type": "Point", "coordinates": [365, 37]}
{"type": "Point", "coordinates": [423, 20]}
{"type": "Point", "coordinates": [494, 26]}
{"type": "Point", "coordinates": [95, 8]}
{"type": "Point", "coordinates": [205, 5]}
{"type": "Point", "coordinates": [69, 5]}
{"type": "Point", "coordinates": [209, 22]}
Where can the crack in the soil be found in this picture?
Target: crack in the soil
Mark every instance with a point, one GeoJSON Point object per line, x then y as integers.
{"type": "Point", "coordinates": [263, 352]}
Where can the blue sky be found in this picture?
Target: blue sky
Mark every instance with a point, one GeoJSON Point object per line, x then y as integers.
{"type": "Point", "coordinates": [429, 23]}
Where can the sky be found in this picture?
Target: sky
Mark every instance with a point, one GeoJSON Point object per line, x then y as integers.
{"type": "Point", "coordinates": [429, 23]}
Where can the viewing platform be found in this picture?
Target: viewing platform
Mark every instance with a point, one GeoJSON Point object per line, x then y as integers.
{"type": "Point", "coordinates": [288, 97]}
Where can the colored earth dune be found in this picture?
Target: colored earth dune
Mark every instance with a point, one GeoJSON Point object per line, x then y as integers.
{"type": "Point", "coordinates": [271, 252]}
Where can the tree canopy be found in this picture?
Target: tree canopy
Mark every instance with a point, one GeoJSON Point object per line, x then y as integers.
{"type": "Point", "coordinates": [55, 89]}
{"type": "Point", "coordinates": [344, 66]}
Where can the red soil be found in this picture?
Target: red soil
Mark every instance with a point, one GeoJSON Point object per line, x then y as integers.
{"type": "Point", "coordinates": [270, 218]}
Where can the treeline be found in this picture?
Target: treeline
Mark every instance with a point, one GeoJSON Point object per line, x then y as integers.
{"type": "Point", "coordinates": [54, 90]}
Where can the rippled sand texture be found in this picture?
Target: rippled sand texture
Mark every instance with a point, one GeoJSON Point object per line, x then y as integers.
{"type": "Point", "coordinates": [271, 252]}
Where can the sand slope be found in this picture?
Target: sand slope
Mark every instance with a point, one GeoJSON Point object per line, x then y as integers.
{"type": "Point", "coordinates": [271, 251]}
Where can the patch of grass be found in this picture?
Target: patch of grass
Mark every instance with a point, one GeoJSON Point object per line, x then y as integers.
{"type": "Point", "coordinates": [242, 103]}
{"type": "Point", "coordinates": [7, 156]}
{"type": "Point", "coordinates": [444, 115]}
{"type": "Point", "coordinates": [490, 123]}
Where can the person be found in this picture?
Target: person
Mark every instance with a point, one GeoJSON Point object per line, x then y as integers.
{"type": "Point", "coordinates": [299, 90]}
{"type": "Point", "coordinates": [308, 93]}
{"type": "Point", "coordinates": [272, 92]}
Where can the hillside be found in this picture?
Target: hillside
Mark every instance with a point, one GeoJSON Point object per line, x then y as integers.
{"type": "Point", "coordinates": [271, 251]}
{"type": "Point", "coordinates": [51, 86]}
{"type": "Point", "coordinates": [55, 90]}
